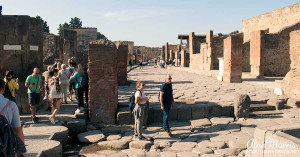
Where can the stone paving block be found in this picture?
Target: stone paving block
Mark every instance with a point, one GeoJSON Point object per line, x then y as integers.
{"type": "Point", "coordinates": [240, 143]}
{"type": "Point", "coordinates": [134, 152]}
{"type": "Point", "coordinates": [91, 136]}
{"type": "Point", "coordinates": [144, 145]}
{"type": "Point", "coordinates": [168, 154]}
{"type": "Point", "coordinates": [212, 155]}
{"type": "Point", "coordinates": [183, 146]}
{"type": "Point", "coordinates": [190, 139]}
{"type": "Point", "coordinates": [227, 151]}
{"type": "Point", "coordinates": [152, 154]}
{"type": "Point", "coordinates": [184, 114]}
{"type": "Point", "coordinates": [179, 125]}
{"type": "Point", "coordinates": [181, 134]}
{"type": "Point", "coordinates": [200, 123]}
{"type": "Point", "coordinates": [222, 138]}
{"type": "Point", "coordinates": [113, 137]}
{"type": "Point", "coordinates": [212, 129]}
{"type": "Point", "coordinates": [118, 154]}
{"type": "Point", "coordinates": [116, 144]}
{"type": "Point", "coordinates": [212, 145]}
{"type": "Point", "coordinates": [228, 111]}
{"type": "Point", "coordinates": [187, 154]}
{"type": "Point", "coordinates": [233, 127]}
{"type": "Point", "coordinates": [110, 130]}
{"type": "Point", "coordinates": [202, 151]}
{"type": "Point", "coordinates": [106, 152]}
{"type": "Point", "coordinates": [221, 120]}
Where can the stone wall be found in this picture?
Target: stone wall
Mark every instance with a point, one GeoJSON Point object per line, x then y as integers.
{"type": "Point", "coordinates": [130, 50]}
{"type": "Point", "coordinates": [102, 63]}
{"type": "Point", "coordinates": [217, 50]}
{"type": "Point", "coordinates": [274, 20]}
{"type": "Point", "coordinates": [52, 48]}
{"type": "Point", "coordinates": [84, 37]}
{"type": "Point", "coordinates": [122, 64]}
{"type": "Point", "coordinates": [257, 47]}
{"type": "Point", "coordinates": [291, 85]}
{"type": "Point", "coordinates": [69, 45]}
{"type": "Point", "coordinates": [194, 51]}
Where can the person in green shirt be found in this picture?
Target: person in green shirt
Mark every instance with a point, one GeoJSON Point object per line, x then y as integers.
{"type": "Point", "coordinates": [33, 83]}
{"type": "Point", "coordinates": [79, 89]}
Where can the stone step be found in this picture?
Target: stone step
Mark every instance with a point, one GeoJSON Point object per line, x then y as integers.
{"type": "Point", "coordinates": [264, 113]}
{"type": "Point", "coordinates": [261, 107]}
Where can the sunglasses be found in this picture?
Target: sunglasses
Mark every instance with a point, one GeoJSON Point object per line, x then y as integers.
{"type": "Point", "coordinates": [170, 78]}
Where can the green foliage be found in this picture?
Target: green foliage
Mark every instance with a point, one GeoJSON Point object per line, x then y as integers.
{"type": "Point", "coordinates": [45, 25]}
{"type": "Point", "coordinates": [75, 23]}
{"type": "Point", "coordinates": [100, 36]}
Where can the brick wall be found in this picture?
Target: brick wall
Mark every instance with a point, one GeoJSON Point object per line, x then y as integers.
{"type": "Point", "coordinates": [233, 55]}
{"type": "Point", "coordinates": [217, 50]}
{"type": "Point", "coordinates": [122, 64]}
{"type": "Point", "coordinates": [291, 85]}
{"type": "Point", "coordinates": [102, 62]}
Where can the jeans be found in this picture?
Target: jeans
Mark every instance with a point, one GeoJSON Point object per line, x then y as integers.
{"type": "Point", "coordinates": [166, 119]}
{"type": "Point", "coordinates": [79, 95]}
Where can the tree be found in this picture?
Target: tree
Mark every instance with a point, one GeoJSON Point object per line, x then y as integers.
{"type": "Point", "coordinates": [75, 22]}
{"type": "Point", "coordinates": [61, 27]}
{"type": "Point", "coordinates": [100, 36]}
{"type": "Point", "coordinates": [45, 25]}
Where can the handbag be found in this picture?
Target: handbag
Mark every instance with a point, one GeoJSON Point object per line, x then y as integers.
{"type": "Point", "coordinates": [55, 92]}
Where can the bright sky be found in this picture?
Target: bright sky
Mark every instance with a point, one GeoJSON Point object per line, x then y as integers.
{"type": "Point", "coordinates": [146, 22]}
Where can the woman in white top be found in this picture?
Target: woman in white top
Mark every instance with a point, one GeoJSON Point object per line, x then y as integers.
{"type": "Point", "coordinates": [64, 81]}
{"type": "Point", "coordinates": [140, 102]}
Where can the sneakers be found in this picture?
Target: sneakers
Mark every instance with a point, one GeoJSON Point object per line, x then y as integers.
{"type": "Point", "coordinates": [35, 120]}
{"type": "Point", "coordinates": [52, 120]}
{"type": "Point", "coordinates": [167, 131]}
{"type": "Point", "coordinates": [140, 138]}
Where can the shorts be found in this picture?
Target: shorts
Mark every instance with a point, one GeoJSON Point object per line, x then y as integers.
{"type": "Point", "coordinates": [141, 64]}
{"type": "Point", "coordinates": [72, 85]}
{"type": "Point", "coordinates": [34, 98]}
{"type": "Point", "coordinates": [54, 101]}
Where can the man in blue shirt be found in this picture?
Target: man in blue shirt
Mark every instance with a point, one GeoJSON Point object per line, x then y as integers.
{"type": "Point", "coordinates": [166, 102]}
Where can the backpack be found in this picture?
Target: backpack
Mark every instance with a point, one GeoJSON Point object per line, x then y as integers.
{"type": "Point", "coordinates": [55, 90]}
{"type": "Point", "coordinates": [132, 100]}
{"type": "Point", "coordinates": [7, 93]}
{"type": "Point", "coordinates": [158, 98]}
{"type": "Point", "coordinates": [83, 80]}
{"type": "Point", "coordinates": [10, 142]}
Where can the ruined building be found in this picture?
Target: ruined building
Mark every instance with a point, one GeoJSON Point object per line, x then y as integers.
{"type": "Point", "coordinates": [131, 55]}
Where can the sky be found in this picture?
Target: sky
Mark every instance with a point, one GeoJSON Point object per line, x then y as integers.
{"type": "Point", "coordinates": [146, 22]}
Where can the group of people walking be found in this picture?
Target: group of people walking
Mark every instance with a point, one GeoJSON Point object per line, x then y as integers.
{"type": "Point", "coordinates": [141, 108]}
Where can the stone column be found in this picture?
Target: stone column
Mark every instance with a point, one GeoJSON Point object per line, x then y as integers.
{"type": "Point", "coordinates": [257, 45]}
{"type": "Point", "coordinates": [122, 64]}
{"type": "Point", "coordinates": [176, 60]}
{"type": "Point", "coordinates": [183, 58]}
{"type": "Point", "coordinates": [209, 42]}
{"type": "Point", "coordinates": [102, 63]}
{"type": "Point", "coordinates": [163, 56]}
{"type": "Point", "coordinates": [233, 59]}
{"type": "Point", "coordinates": [167, 54]}
{"type": "Point", "coordinates": [221, 69]}
{"type": "Point", "coordinates": [191, 43]}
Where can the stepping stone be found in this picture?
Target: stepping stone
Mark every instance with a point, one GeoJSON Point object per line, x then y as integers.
{"type": "Point", "coordinates": [221, 120]}
{"type": "Point", "coordinates": [183, 146]}
{"type": "Point", "coordinates": [212, 145]}
{"type": "Point", "coordinates": [113, 137]}
{"type": "Point", "coordinates": [233, 127]}
{"type": "Point", "coordinates": [227, 151]}
{"type": "Point", "coordinates": [45, 147]}
{"type": "Point", "coordinates": [240, 143]}
{"type": "Point", "coordinates": [168, 154]}
{"type": "Point", "coordinates": [212, 129]}
{"type": "Point", "coordinates": [187, 154]}
{"type": "Point", "coordinates": [190, 139]}
{"type": "Point", "coordinates": [90, 127]}
{"type": "Point", "coordinates": [106, 152]}
{"type": "Point", "coordinates": [77, 126]}
{"type": "Point", "coordinates": [144, 145]}
{"type": "Point", "coordinates": [200, 123]}
{"type": "Point", "coordinates": [91, 136]}
{"type": "Point", "coordinates": [57, 133]}
{"type": "Point", "coordinates": [134, 152]}
{"type": "Point", "coordinates": [202, 151]}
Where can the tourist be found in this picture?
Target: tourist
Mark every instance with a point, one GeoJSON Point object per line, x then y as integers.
{"type": "Point", "coordinates": [46, 77]}
{"type": "Point", "coordinates": [72, 82]}
{"type": "Point", "coordinates": [33, 83]}
{"type": "Point", "coordinates": [174, 61]}
{"type": "Point", "coordinates": [166, 102]}
{"type": "Point", "coordinates": [138, 111]}
{"type": "Point", "coordinates": [12, 84]}
{"type": "Point", "coordinates": [78, 77]}
{"type": "Point", "coordinates": [179, 63]}
{"type": "Point", "coordinates": [55, 93]}
{"type": "Point", "coordinates": [130, 63]}
{"type": "Point", "coordinates": [141, 64]}
{"type": "Point", "coordinates": [10, 111]}
{"type": "Point", "coordinates": [86, 86]}
{"type": "Point", "coordinates": [64, 82]}
{"type": "Point", "coordinates": [73, 62]}
{"type": "Point", "coordinates": [58, 66]}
